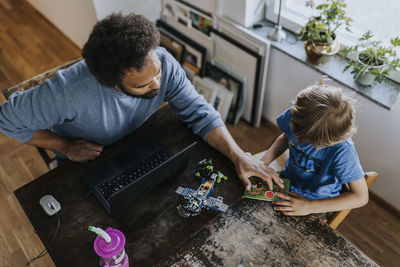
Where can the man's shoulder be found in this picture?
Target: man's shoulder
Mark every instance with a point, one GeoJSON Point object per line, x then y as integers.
{"type": "Point", "coordinates": [167, 60]}
{"type": "Point", "coordinates": [76, 71]}
{"type": "Point", "coordinates": [77, 76]}
{"type": "Point", "coordinates": [162, 53]}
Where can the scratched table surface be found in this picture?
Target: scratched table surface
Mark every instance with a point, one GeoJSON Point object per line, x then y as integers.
{"type": "Point", "coordinates": [250, 232]}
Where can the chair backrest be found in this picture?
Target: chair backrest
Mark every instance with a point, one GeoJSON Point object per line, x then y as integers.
{"type": "Point", "coordinates": [337, 217]}
{"type": "Point", "coordinates": [37, 80]}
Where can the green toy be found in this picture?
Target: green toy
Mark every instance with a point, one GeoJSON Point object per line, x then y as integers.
{"type": "Point", "coordinates": [205, 169]}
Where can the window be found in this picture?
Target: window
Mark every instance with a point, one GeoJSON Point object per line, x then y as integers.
{"type": "Point", "coordinates": [381, 17]}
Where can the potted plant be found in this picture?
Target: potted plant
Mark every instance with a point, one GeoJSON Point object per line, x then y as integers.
{"type": "Point", "coordinates": [370, 61]}
{"type": "Point", "coordinates": [319, 32]}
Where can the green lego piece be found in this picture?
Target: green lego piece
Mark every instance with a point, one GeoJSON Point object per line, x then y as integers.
{"type": "Point", "coordinates": [221, 176]}
{"type": "Point", "coordinates": [197, 174]}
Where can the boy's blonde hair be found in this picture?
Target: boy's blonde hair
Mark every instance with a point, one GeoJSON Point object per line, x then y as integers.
{"type": "Point", "coordinates": [322, 115]}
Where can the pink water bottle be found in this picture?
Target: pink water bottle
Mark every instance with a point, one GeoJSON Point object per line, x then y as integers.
{"type": "Point", "coordinates": [109, 245]}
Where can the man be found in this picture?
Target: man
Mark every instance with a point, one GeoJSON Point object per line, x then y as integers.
{"type": "Point", "coordinates": [122, 81]}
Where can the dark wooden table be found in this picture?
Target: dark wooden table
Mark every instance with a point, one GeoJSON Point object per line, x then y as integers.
{"type": "Point", "coordinates": [250, 233]}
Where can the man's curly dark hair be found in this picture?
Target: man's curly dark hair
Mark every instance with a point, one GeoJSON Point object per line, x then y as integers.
{"type": "Point", "coordinates": [117, 43]}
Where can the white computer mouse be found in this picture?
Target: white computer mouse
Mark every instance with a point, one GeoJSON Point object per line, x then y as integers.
{"type": "Point", "coordinates": [50, 205]}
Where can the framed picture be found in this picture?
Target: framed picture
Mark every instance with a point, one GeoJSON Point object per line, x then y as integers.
{"type": "Point", "coordinates": [223, 100]}
{"type": "Point", "coordinates": [191, 71]}
{"type": "Point", "coordinates": [193, 56]}
{"type": "Point", "coordinates": [184, 21]}
{"type": "Point", "coordinates": [188, 15]}
{"type": "Point", "coordinates": [240, 78]}
{"type": "Point", "coordinates": [176, 10]}
{"type": "Point", "coordinates": [200, 21]}
{"type": "Point", "coordinates": [244, 61]}
{"type": "Point", "coordinates": [215, 94]}
{"type": "Point", "coordinates": [175, 48]}
{"type": "Point", "coordinates": [233, 85]}
{"type": "Point", "coordinates": [207, 90]}
{"type": "Point", "coordinates": [209, 6]}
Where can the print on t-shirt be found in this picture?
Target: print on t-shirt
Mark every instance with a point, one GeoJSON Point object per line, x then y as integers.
{"type": "Point", "coordinates": [304, 161]}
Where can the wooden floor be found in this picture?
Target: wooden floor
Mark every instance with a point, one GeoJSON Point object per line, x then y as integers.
{"type": "Point", "coordinates": [29, 45]}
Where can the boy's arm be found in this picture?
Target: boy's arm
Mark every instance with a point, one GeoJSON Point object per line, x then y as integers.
{"type": "Point", "coordinates": [296, 204]}
{"type": "Point", "coordinates": [356, 197]}
{"type": "Point", "coordinates": [277, 148]}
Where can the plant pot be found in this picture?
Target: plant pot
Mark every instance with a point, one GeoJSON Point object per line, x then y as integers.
{"type": "Point", "coordinates": [367, 78]}
{"type": "Point", "coordinates": [319, 52]}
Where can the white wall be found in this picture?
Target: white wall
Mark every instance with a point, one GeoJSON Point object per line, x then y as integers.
{"type": "Point", "coordinates": [377, 139]}
{"type": "Point", "coordinates": [151, 9]}
{"type": "Point", "coordinates": [75, 18]}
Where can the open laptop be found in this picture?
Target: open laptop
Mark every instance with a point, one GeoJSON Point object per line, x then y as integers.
{"type": "Point", "coordinates": [118, 182]}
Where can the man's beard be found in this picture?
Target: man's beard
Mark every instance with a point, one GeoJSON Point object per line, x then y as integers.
{"type": "Point", "coordinates": [149, 95]}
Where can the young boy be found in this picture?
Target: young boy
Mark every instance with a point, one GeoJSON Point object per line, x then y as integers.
{"type": "Point", "coordinates": [317, 129]}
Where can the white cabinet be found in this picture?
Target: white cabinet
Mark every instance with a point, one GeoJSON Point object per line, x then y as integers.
{"type": "Point", "coordinates": [244, 12]}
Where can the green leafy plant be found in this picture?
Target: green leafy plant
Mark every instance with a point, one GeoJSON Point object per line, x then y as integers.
{"type": "Point", "coordinates": [370, 56]}
{"type": "Point", "coordinates": [321, 28]}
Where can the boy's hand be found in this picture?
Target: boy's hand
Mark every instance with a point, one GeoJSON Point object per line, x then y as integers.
{"type": "Point", "coordinates": [293, 205]}
{"type": "Point", "coordinates": [248, 166]}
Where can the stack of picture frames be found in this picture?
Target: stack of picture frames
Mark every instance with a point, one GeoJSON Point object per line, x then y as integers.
{"type": "Point", "coordinates": [246, 53]}
{"type": "Point", "coordinates": [245, 63]}
{"type": "Point", "coordinates": [216, 94]}
{"type": "Point", "coordinates": [237, 67]}
{"type": "Point", "coordinates": [190, 54]}
{"type": "Point", "coordinates": [222, 88]}
{"type": "Point", "coordinates": [234, 84]}
{"type": "Point", "coordinates": [193, 23]}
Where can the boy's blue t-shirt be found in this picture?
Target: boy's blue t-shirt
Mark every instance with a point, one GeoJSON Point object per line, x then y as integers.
{"type": "Point", "coordinates": [319, 173]}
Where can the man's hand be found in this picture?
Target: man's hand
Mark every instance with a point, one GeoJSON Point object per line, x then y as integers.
{"type": "Point", "coordinates": [248, 166]}
{"type": "Point", "coordinates": [82, 150]}
{"type": "Point", "coordinates": [293, 205]}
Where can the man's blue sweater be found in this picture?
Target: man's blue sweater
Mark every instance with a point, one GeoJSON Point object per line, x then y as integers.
{"type": "Point", "coordinates": [73, 105]}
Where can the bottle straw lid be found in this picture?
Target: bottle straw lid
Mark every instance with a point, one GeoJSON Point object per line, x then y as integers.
{"type": "Point", "coordinates": [116, 244]}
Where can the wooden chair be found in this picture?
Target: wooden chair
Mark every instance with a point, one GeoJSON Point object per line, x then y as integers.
{"type": "Point", "coordinates": [333, 219]}
{"type": "Point", "coordinates": [28, 84]}
{"type": "Point", "coordinates": [337, 217]}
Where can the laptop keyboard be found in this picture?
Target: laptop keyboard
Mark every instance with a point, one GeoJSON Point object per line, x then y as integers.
{"type": "Point", "coordinates": [118, 183]}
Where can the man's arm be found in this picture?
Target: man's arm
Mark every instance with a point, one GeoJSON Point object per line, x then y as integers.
{"type": "Point", "coordinates": [77, 150]}
{"type": "Point", "coordinates": [277, 148]}
{"type": "Point", "coordinates": [246, 165]}
{"type": "Point", "coordinates": [296, 204]}
{"type": "Point", "coordinates": [205, 121]}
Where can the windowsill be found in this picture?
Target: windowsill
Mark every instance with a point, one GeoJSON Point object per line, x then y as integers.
{"type": "Point", "coordinates": [384, 94]}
